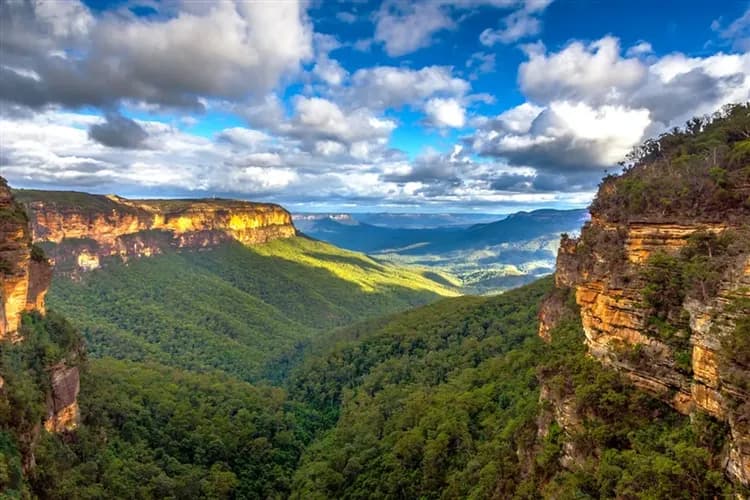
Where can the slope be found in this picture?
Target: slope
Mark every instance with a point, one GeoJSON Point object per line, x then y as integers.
{"type": "Point", "coordinates": [485, 257]}
{"type": "Point", "coordinates": [241, 310]}
{"type": "Point", "coordinates": [444, 402]}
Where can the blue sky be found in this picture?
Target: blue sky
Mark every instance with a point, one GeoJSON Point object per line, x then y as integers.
{"type": "Point", "coordinates": [427, 105]}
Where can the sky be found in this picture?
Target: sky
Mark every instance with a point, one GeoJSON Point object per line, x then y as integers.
{"type": "Point", "coordinates": [484, 106]}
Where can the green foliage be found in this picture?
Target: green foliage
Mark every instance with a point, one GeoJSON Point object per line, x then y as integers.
{"type": "Point", "coordinates": [443, 402]}
{"type": "Point", "coordinates": [627, 444]}
{"type": "Point", "coordinates": [699, 172]}
{"type": "Point", "coordinates": [435, 401]}
{"type": "Point", "coordinates": [24, 372]}
{"type": "Point", "coordinates": [37, 253]}
{"type": "Point", "coordinates": [665, 285]}
{"type": "Point", "coordinates": [73, 200]}
{"type": "Point", "coordinates": [155, 432]}
{"type": "Point", "coordinates": [735, 347]}
{"type": "Point", "coordinates": [696, 271]}
{"type": "Point", "coordinates": [241, 310]}
{"type": "Point", "coordinates": [11, 473]}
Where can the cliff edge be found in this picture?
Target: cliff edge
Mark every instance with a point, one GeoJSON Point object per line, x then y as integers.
{"type": "Point", "coordinates": [661, 274]}
{"type": "Point", "coordinates": [24, 271]}
{"type": "Point", "coordinates": [79, 230]}
{"type": "Point", "coordinates": [39, 355]}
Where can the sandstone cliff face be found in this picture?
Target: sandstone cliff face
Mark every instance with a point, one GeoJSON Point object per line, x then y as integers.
{"type": "Point", "coordinates": [81, 230]}
{"type": "Point", "coordinates": [25, 275]}
{"type": "Point", "coordinates": [607, 267]}
{"type": "Point", "coordinates": [62, 402]}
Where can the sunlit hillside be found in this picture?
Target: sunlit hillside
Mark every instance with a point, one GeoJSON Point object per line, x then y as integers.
{"type": "Point", "coordinates": [242, 310]}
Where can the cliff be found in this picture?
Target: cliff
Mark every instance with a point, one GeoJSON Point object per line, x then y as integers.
{"type": "Point", "coordinates": [39, 357]}
{"type": "Point", "coordinates": [80, 230]}
{"type": "Point", "coordinates": [661, 274]}
{"type": "Point", "coordinates": [25, 273]}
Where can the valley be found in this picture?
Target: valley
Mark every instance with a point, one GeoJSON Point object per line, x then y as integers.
{"type": "Point", "coordinates": [204, 348]}
{"type": "Point", "coordinates": [486, 257]}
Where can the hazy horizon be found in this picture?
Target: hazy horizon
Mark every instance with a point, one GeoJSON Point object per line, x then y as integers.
{"type": "Point", "coordinates": [427, 106]}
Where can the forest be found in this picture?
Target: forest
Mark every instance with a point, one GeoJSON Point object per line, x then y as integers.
{"type": "Point", "coordinates": [298, 370]}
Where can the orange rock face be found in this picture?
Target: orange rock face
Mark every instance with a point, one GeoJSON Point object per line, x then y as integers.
{"type": "Point", "coordinates": [603, 269]}
{"type": "Point", "coordinates": [25, 277]}
{"type": "Point", "coordinates": [644, 239]}
{"type": "Point", "coordinates": [87, 228]}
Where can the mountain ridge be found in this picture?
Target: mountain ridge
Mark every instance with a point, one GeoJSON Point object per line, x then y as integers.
{"type": "Point", "coordinates": [79, 230]}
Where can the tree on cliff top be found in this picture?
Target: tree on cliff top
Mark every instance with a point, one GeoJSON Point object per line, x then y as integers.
{"type": "Point", "coordinates": [699, 172]}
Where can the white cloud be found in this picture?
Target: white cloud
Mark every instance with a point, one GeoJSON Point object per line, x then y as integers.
{"type": "Point", "coordinates": [445, 113]}
{"type": "Point", "coordinates": [515, 27]}
{"type": "Point", "coordinates": [318, 117]}
{"type": "Point", "coordinates": [589, 105]}
{"type": "Point", "coordinates": [224, 49]}
{"type": "Point", "coordinates": [245, 137]}
{"type": "Point", "coordinates": [520, 118]}
{"type": "Point", "coordinates": [404, 27]}
{"type": "Point", "coordinates": [481, 62]}
{"type": "Point", "coordinates": [384, 87]}
{"type": "Point", "coordinates": [640, 49]}
{"type": "Point", "coordinates": [594, 72]}
{"type": "Point", "coordinates": [330, 71]}
{"type": "Point", "coordinates": [519, 24]}
{"type": "Point", "coordinates": [565, 137]}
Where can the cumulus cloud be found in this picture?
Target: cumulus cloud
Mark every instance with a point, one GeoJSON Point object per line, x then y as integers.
{"type": "Point", "coordinates": [54, 149]}
{"type": "Point", "coordinates": [323, 119]}
{"type": "Point", "coordinates": [33, 28]}
{"type": "Point", "coordinates": [589, 105]}
{"type": "Point", "coordinates": [431, 170]}
{"type": "Point", "coordinates": [639, 49]}
{"type": "Point", "coordinates": [382, 87]}
{"type": "Point", "coordinates": [445, 113]}
{"type": "Point", "coordinates": [330, 71]}
{"type": "Point", "coordinates": [678, 87]}
{"type": "Point", "coordinates": [404, 27]}
{"type": "Point", "coordinates": [118, 131]}
{"type": "Point", "coordinates": [226, 50]}
{"type": "Point", "coordinates": [594, 72]}
{"type": "Point", "coordinates": [569, 136]}
{"type": "Point", "coordinates": [244, 137]}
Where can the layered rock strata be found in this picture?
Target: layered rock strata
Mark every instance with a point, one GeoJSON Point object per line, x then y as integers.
{"type": "Point", "coordinates": [80, 230]}
{"type": "Point", "coordinates": [605, 268]}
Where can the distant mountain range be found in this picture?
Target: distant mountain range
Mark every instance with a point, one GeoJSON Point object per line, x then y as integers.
{"type": "Point", "coordinates": [404, 220]}
{"type": "Point", "coordinates": [486, 256]}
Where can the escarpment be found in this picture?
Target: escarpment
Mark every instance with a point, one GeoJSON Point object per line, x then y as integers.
{"type": "Point", "coordinates": [24, 271]}
{"type": "Point", "coordinates": [39, 357]}
{"type": "Point", "coordinates": [80, 230]}
{"type": "Point", "coordinates": [661, 274]}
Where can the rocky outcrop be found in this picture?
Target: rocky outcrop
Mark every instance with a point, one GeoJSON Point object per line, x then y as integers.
{"type": "Point", "coordinates": [62, 402]}
{"type": "Point", "coordinates": [80, 230]}
{"type": "Point", "coordinates": [607, 270]}
{"type": "Point", "coordinates": [25, 273]}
